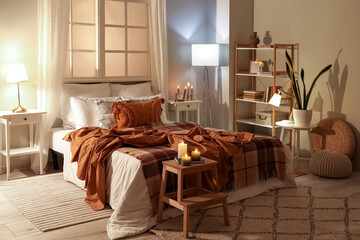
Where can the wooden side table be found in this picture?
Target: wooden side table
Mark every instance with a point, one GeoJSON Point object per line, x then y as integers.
{"type": "Point", "coordinates": [185, 106]}
{"type": "Point", "coordinates": [295, 148]}
{"type": "Point", "coordinates": [32, 118]}
{"type": "Point", "coordinates": [196, 197]}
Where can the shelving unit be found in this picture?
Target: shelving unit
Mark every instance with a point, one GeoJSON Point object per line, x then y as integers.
{"type": "Point", "coordinates": [244, 75]}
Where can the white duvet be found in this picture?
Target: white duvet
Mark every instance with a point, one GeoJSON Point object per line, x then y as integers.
{"type": "Point", "coordinates": [127, 194]}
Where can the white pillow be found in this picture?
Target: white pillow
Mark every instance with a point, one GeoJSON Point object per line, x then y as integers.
{"type": "Point", "coordinates": [79, 90]}
{"type": "Point", "coordinates": [131, 91]}
{"type": "Point", "coordinates": [85, 110]}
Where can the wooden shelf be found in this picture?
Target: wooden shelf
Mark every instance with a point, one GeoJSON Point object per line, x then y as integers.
{"type": "Point", "coordinates": [269, 75]}
{"type": "Point", "coordinates": [21, 151]}
{"type": "Point", "coordinates": [241, 99]}
{"type": "Point", "coordinates": [252, 121]}
{"type": "Point", "coordinates": [242, 72]}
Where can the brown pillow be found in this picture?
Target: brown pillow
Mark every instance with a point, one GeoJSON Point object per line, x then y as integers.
{"type": "Point", "coordinates": [137, 114]}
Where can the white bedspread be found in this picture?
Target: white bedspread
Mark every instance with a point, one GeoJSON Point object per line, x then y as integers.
{"type": "Point", "coordinates": [127, 194]}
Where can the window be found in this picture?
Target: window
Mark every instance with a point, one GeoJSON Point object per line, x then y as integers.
{"type": "Point", "coordinates": [108, 39]}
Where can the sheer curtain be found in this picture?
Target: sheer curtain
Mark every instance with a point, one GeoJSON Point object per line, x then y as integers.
{"type": "Point", "coordinates": [52, 46]}
{"type": "Point", "coordinates": [158, 46]}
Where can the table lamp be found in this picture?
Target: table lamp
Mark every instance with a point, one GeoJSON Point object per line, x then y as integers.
{"type": "Point", "coordinates": [205, 55]}
{"type": "Point", "coordinates": [16, 74]}
{"type": "Point", "coordinates": [276, 100]}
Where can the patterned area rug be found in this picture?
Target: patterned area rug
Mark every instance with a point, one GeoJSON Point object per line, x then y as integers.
{"type": "Point", "coordinates": [288, 213]}
{"type": "Point", "coordinates": [50, 202]}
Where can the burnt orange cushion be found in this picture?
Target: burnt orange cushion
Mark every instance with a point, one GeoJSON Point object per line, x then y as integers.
{"type": "Point", "coordinates": [137, 114]}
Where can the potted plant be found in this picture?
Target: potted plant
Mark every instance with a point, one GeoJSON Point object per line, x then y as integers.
{"type": "Point", "coordinates": [302, 116]}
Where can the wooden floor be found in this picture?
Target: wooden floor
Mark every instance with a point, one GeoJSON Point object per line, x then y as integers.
{"type": "Point", "coordinates": [13, 225]}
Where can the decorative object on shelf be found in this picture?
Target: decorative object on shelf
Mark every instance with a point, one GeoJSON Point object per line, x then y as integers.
{"type": "Point", "coordinates": [206, 55]}
{"type": "Point", "coordinates": [16, 74]}
{"type": "Point", "coordinates": [182, 149]}
{"type": "Point", "coordinates": [254, 40]}
{"type": "Point", "coordinates": [179, 96]}
{"type": "Point", "coordinates": [267, 38]}
{"type": "Point", "coordinates": [330, 164]}
{"type": "Point", "coordinates": [185, 160]}
{"type": "Point", "coordinates": [195, 155]}
{"type": "Point", "coordinates": [301, 117]}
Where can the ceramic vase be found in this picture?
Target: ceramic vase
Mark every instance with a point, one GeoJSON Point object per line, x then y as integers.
{"type": "Point", "coordinates": [254, 40]}
{"type": "Point", "coordinates": [302, 117]}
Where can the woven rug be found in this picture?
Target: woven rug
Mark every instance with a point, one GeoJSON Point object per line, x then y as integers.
{"type": "Point", "coordinates": [50, 202]}
{"type": "Point", "coordinates": [288, 213]}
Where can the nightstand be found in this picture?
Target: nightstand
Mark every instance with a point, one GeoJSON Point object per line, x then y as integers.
{"type": "Point", "coordinates": [295, 148]}
{"type": "Point", "coordinates": [196, 197]}
{"type": "Point", "coordinates": [185, 106]}
{"type": "Point", "coordinates": [32, 118]}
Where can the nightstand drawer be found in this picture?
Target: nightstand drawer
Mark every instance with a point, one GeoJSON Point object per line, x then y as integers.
{"type": "Point", "coordinates": [24, 119]}
{"type": "Point", "coordinates": [184, 106]}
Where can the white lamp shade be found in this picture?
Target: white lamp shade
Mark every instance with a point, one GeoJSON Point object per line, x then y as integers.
{"type": "Point", "coordinates": [16, 73]}
{"type": "Point", "coordinates": [275, 100]}
{"type": "Point", "coordinates": [205, 54]}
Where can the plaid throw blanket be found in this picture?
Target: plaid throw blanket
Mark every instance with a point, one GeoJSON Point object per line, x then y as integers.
{"type": "Point", "coordinates": [261, 159]}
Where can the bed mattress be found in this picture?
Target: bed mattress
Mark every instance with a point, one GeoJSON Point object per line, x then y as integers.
{"type": "Point", "coordinates": [126, 190]}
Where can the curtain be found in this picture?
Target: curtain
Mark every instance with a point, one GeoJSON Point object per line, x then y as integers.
{"type": "Point", "coordinates": [53, 18]}
{"type": "Point", "coordinates": [158, 46]}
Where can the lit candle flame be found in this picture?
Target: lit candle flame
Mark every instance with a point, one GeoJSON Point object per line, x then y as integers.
{"type": "Point", "coordinates": [196, 150]}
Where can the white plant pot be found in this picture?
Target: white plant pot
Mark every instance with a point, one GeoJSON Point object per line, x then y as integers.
{"type": "Point", "coordinates": [302, 117]}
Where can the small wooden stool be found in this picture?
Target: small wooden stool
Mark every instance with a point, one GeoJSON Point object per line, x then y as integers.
{"type": "Point", "coordinates": [196, 197]}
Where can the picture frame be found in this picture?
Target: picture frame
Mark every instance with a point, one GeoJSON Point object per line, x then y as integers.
{"type": "Point", "coordinates": [254, 68]}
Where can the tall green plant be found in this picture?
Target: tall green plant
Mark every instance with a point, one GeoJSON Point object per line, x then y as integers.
{"type": "Point", "coordinates": [295, 84]}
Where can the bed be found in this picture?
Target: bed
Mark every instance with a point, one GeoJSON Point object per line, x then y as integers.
{"type": "Point", "coordinates": [126, 185]}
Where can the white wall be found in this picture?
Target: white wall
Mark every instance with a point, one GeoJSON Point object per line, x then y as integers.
{"type": "Point", "coordinates": [207, 21]}
{"type": "Point", "coordinates": [326, 32]}
{"type": "Point", "coordinates": [18, 43]}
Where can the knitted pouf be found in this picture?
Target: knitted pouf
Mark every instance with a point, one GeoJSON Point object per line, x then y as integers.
{"type": "Point", "coordinates": [330, 164]}
{"type": "Point", "coordinates": [334, 135]}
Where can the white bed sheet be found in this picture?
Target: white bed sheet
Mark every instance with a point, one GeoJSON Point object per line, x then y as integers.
{"type": "Point", "coordinates": [126, 194]}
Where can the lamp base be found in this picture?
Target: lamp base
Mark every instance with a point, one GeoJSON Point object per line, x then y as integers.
{"type": "Point", "coordinates": [19, 109]}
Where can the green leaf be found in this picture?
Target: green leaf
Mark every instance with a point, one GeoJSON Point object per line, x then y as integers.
{"type": "Point", "coordinates": [289, 61]}
{"type": "Point", "coordinates": [298, 93]}
{"type": "Point", "coordinates": [325, 69]}
{"type": "Point", "coordinates": [304, 90]}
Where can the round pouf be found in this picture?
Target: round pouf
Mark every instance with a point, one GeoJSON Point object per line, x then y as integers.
{"type": "Point", "coordinates": [330, 164]}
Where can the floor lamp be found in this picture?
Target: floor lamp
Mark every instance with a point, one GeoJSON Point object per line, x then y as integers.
{"type": "Point", "coordinates": [205, 55]}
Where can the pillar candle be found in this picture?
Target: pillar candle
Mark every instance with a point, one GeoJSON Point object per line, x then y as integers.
{"type": "Point", "coordinates": [188, 93]}
{"type": "Point", "coordinates": [185, 160]}
{"type": "Point", "coordinates": [184, 94]}
{"type": "Point", "coordinates": [178, 89]}
{"type": "Point", "coordinates": [195, 155]}
{"type": "Point", "coordinates": [182, 149]}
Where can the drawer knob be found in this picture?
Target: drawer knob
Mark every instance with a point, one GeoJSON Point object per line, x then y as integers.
{"type": "Point", "coordinates": [188, 105]}
{"type": "Point", "coordinates": [25, 119]}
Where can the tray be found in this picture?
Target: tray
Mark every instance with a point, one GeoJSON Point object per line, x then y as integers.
{"type": "Point", "coordinates": [178, 160]}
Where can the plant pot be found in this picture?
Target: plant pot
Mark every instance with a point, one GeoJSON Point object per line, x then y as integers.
{"type": "Point", "coordinates": [302, 117]}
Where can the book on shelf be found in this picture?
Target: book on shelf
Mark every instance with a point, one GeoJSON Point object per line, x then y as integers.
{"type": "Point", "coordinates": [253, 92]}
{"type": "Point", "coordinates": [269, 92]}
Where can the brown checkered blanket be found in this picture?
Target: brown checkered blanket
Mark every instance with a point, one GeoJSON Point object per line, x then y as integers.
{"type": "Point", "coordinates": [261, 159]}
{"type": "Point", "coordinates": [242, 161]}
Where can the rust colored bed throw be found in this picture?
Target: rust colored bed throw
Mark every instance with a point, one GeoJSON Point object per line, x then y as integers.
{"type": "Point", "coordinates": [91, 146]}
